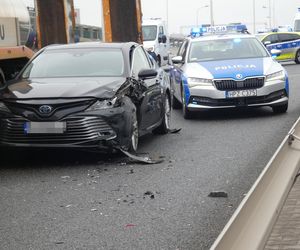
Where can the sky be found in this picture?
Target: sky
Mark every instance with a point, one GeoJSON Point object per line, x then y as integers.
{"type": "Point", "coordinates": [182, 14]}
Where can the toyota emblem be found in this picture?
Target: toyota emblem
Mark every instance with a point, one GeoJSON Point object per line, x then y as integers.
{"type": "Point", "coordinates": [45, 109]}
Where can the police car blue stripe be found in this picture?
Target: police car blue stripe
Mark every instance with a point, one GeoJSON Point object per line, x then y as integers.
{"type": "Point", "coordinates": [285, 45]}
{"type": "Point", "coordinates": [235, 69]}
{"type": "Point", "coordinates": [186, 90]}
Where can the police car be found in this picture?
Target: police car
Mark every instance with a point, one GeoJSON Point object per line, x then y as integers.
{"type": "Point", "coordinates": [287, 42]}
{"type": "Point", "coordinates": [227, 71]}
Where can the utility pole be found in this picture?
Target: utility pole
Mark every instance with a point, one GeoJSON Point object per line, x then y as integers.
{"type": "Point", "coordinates": [211, 13]}
{"type": "Point", "coordinates": [254, 17]}
{"type": "Point", "coordinates": [270, 15]}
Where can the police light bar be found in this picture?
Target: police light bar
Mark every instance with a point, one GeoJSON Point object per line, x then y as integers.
{"type": "Point", "coordinates": [219, 29]}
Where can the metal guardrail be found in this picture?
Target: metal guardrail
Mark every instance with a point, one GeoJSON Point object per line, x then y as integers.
{"type": "Point", "coordinates": [252, 222]}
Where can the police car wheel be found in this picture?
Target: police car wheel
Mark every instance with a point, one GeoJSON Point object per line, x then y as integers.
{"type": "Point", "coordinates": [297, 58]}
{"type": "Point", "coordinates": [187, 114]}
{"type": "Point", "coordinates": [280, 109]}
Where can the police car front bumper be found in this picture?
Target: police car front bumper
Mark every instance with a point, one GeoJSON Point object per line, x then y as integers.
{"type": "Point", "coordinates": [211, 98]}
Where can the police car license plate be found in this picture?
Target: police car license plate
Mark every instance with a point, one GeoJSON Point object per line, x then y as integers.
{"type": "Point", "coordinates": [44, 127]}
{"type": "Point", "coordinates": [241, 93]}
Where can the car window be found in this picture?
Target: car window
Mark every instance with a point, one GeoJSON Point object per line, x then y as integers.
{"type": "Point", "coordinates": [149, 32]}
{"type": "Point", "coordinates": [271, 38]}
{"type": "Point", "coordinates": [226, 49]}
{"type": "Point", "coordinates": [287, 37]}
{"type": "Point", "coordinates": [182, 50]}
{"type": "Point", "coordinates": [140, 61]}
{"type": "Point", "coordinates": [76, 63]}
{"type": "Point", "coordinates": [161, 30]}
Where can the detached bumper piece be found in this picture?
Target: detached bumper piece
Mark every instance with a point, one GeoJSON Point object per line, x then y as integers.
{"type": "Point", "coordinates": [237, 102]}
{"type": "Point", "coordinates": [80, 131]}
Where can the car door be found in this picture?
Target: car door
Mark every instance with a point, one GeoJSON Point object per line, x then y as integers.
{"type": "Point", "coordinates": [178, 71]}
{"type": "Point", "coordinates": [290, 44]}
{"type": "Point", "coordinates": [151, 107]}
{"type": "Point", "coordinates": [163, 48]}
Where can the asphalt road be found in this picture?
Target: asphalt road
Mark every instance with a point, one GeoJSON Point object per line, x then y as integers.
{"type": "Point", "coordinates": [65, 199]}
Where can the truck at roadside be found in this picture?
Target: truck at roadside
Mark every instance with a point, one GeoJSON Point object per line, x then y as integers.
{"type": "Point", "coordinates": [15, 30]}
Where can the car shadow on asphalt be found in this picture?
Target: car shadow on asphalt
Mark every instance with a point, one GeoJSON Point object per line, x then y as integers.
{"type": "Point", "coordinates": [233, 114]}
{"type": "Point", "coordinates": [19, 158]}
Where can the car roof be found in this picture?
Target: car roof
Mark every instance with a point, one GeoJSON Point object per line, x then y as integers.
{"type": "Point", "coordinates": [220, 37]}
{"type": "Point", "coordinates": [279, 32]}
{"type": "Point", "coordinates": [123, 46]}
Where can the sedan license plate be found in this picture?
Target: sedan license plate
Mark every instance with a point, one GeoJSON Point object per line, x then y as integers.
{"type": "Point", "coordinates": [44, 127]}
{"type": "Point", "coordinates": [241, 93]}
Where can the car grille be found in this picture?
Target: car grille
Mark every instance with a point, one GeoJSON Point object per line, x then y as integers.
{"type": "Point", "coordinates": [250, 83]}
{"type": "Point", "coordinates": [79, 130]}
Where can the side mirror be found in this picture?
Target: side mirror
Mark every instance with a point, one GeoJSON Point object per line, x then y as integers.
{"type": "Point", "coordinates": [147, 74]}
{"type": "Point", "coordinates": [177, 59]}
{"type": "Point", "coordinates": [164, 39]}
{"type": "Point", "coordinates": [267, 43]}
{"type": "Point", "coordinates": [275, 52]}
{"type": "Point", "coordinates": [159, 39]}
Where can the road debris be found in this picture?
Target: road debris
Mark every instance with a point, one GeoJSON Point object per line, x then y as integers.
{"type": "Point", "coordinates": [218, 194]}
{"type": "Point", "coordinates": [143, 159]}
{"type": "Point", "coordinates": [149, 193]}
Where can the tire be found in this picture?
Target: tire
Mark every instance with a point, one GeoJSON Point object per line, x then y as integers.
{"type": "Point", "coordinates": [2, 78]}
{"type": "Point", "coordinates": [175, 103]}
{"type": "Point", "coordinates": [187, 114]}
{"type": "Point", "coordinates": [164, 127]}
{"type": "Point", "coordinates": [159, 60]}
{"type": "Point", "coordinates": [134, 137]}
{"type": "Point", "coordinates": [297, 58]}
{"type": "Point", "coordinates": [280, 109]}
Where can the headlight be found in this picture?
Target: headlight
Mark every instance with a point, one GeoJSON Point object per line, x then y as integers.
{"type": "Point", "coordinates": [280, 75]}
{"type": "Point", "coordinates": [193, 81]}
{"type": "Point", "coordinates": [100, 105]}
{"type": "Point", "coordinates": [3, 108]}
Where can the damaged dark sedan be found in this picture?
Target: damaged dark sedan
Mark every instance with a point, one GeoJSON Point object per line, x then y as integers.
{"type": "Point", "coordinates": [94, 95]}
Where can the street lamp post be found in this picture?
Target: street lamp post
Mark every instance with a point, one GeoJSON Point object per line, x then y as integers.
{"type": "Point", "coordinates": [254, 17]}
{"type": "Point", "coordinates": [198, 10]}
{"type": "Point", "coordinates": [211, 13]}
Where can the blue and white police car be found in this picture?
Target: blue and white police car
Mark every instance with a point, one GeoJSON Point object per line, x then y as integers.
{"type": "Point", "coordinates": [227, 71]}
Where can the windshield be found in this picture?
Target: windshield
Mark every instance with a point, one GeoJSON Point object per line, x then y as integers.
{"type": "Point", "coordinates": [225, 49]}
{"type": "Point", "coordinates": [149, 32]}
{"type": "Point", "coordinates": [297, 25]}
{"type": "Point", "coordinates": [76, 63]}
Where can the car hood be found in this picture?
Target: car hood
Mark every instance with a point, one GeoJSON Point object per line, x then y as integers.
{"type": "Point", "coordinates": [103, 88]}
{"type": "Point", "coordinates": [234, 69]}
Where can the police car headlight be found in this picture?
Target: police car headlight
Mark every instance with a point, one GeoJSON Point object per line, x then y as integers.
{"type": "Point", "coordinates": [3, 108]}
{"type": "Point", "coordinates": [280, 75]}
{"type": "Point", "coordinates": [100, 105]}
{"type": "Point", "coordinates": [193, 82]}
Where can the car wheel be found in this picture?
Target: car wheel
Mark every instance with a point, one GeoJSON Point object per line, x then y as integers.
{"type": "Point", "coordinates": [187, 114]}
{"type": "Point", "coordinates": [175, 103]}
{"type": "Point", "coordinates": [280, 109]}
{"type": "Point", "coordinates": [164, 127]}
{"type": "Point", "coordinates": [159, 60]}
{"type": "Point", "coordinates": [2, 79]}
{"type": "Point", "coordinates": [134, 138]}
{"type": "Point", "coordinates": [297, 58]}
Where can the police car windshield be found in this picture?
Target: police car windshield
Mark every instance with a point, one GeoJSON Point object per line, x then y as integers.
{"type": "Point", "coordinates": [149, 32]}
{"type": "Point", "coordinates": [226, 49]}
